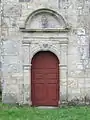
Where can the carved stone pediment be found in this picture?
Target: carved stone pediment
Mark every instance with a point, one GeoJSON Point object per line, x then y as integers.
{"type": "Point", "coordinates": [44, 20]}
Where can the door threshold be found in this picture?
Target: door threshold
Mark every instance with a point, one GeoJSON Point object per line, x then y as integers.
{"type": "Point", "coordinates": [47, 107]}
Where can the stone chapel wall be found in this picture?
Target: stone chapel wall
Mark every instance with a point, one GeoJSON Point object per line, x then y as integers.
{"type": "Point", "coordinates": [13, 15]}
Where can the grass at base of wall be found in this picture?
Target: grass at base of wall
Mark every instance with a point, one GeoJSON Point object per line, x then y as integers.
{"type": "Point", "coordinates": [14, 112]}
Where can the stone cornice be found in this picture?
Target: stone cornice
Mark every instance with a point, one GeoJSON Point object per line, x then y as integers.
{"type": "Point", "coordinates": [35, 42]}
{"type": "Point", "coordinates": [45, 30]}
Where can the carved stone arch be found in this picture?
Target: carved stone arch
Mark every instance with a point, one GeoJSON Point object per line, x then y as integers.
{"type": "Point", "coordinates": [51, 49]}
{"type": "Point", "coordinates": [39, 39]}
{"type": "Point", "coordinates": [38, 11]}
{"type": "Point", "coordinates": [45, 12]}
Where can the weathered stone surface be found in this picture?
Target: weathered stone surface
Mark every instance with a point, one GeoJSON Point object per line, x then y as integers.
{"type": "Point", "coordinates": [45, 20]}
{"type": "Point", "coordinates": [11, 47]}
{"type": "Point", "coordinates": [9, 98]}
{"type": "Point", "coordinates": [67, 37]}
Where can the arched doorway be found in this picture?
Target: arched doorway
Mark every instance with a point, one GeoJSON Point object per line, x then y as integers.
{"type": "Point", "coordinates": [45, 79]}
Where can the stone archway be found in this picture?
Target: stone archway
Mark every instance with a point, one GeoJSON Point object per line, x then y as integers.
{"type": "Point", "coordinates": [53, 38]}
{"type": "Point", "coordinates": [41, 19]}
{"type": "Point", "coordinates": [45, 79]}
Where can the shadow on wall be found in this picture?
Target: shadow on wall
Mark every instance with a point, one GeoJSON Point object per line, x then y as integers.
{"type": "Point", "coordinates": [79, 101]}
{"type": "Point", "coordinates": [82, 100]}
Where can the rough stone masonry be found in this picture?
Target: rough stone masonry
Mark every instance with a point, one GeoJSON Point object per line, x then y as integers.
{"type": "Point", "coordinates": [66, 32]}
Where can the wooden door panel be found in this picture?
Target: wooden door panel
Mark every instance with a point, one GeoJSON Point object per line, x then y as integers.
{"type": "Point", "coordinates": [45, 79]}
{"type": "Point", "coordinates": [42, 76]}
{"type": "Point", "coordinates": [37, 77]}
{"type": "Point", "coordinates": [52, 91]}
{"type": "Point", "coordinates": [41, 93]}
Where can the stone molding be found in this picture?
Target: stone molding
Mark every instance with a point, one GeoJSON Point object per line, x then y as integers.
{"type": "Point", "coordinates": [45, 30]}
{"type": "Point", "coordinates": [34, 47]}
{"type": "Point", "coordinates": [59, 18]}
{"type": "Point", "coordinates": [36, 44]}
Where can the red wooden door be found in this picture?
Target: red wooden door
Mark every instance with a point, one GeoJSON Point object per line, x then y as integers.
{"type": "Point", "coordinates": [45, 79]}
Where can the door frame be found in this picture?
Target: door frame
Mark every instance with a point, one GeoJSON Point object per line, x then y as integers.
{"type": "Point", "coordinates": [60, 52]}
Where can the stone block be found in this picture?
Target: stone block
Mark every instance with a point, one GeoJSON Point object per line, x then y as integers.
{"type": "Point", "coordinates": [27, 94]}
{"type": "Point", "coordinates": [9, 98]}
{"type": "Point", "coordinates": [63, 73]}
{"type": "Point", "coordinates": [63, 93]}
{"type": "Point", "coordinates": [72, 83]}
{"type": "Point", "coordinates": [11, 47]}
{"type": "Point", "coordinates": [26, 53]}
{"type": "Point", "coordinates": [76, 91]}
